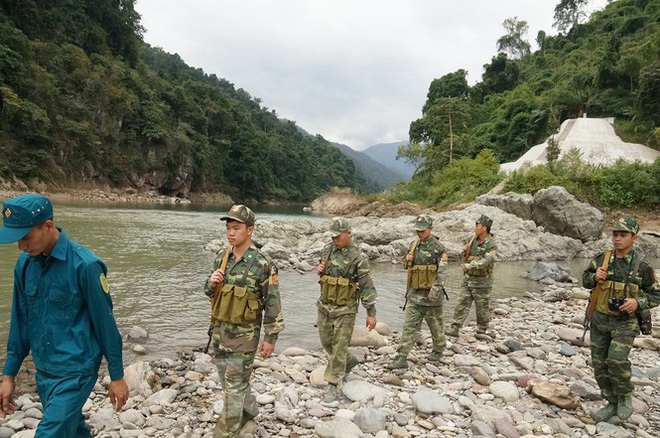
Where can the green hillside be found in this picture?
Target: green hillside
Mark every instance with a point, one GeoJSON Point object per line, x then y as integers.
{"type": "Point", "coordinates": [377, 176]}
{"type": "Point", "coordinates": [84, 100]}
{"type": "Point", "coordinates": [608, 66]}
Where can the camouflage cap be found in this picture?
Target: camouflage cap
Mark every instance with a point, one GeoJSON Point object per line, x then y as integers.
{"type": "Point", "coordinates": [241, 213]}
{"type": "Point", "coordinates": [626, 224]}
{"type": "Point", "coordinates": [423, 222]}
{"type": "Point", "coordinates": [339, 225]}
{"type": "Point", "coordinates": [485, 220]}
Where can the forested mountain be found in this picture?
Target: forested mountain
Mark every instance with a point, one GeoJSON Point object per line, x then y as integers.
{"type": "Point", "coordinates": [608, 66]}
{"type": "Point", "coordinates": [84, 99]}
{"type": "Point", "coordinates": [386, 153]}
{"type": "Point", "coordinates": [377, 177]}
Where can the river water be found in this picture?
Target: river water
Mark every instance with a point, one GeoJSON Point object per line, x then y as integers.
{"type": "Point", "coordinates": [157, 269]}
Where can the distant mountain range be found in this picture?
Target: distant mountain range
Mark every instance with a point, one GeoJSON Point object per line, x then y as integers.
{"type": "Point", "coordinates": [385, 154]}
{"type": "Point", "coordinates": [378, 165]}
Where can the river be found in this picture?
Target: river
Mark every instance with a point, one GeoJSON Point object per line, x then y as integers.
{"type": "Point", "coordinates": [157, 268]}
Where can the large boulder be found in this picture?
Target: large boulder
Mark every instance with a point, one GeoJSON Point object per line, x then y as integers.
{"type": "Point", "coordinates": [520, 205]}
{"type": "Point", "coordinates": [560, 213]}
{"type": "Point", "coordinates": [542, 270]}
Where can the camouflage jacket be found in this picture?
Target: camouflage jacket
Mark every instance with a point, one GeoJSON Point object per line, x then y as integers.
{"type": "Point", "coordinates": [481, 260]}
{"type": "Point", "coordinates": [620, 270]}
{"type": "Point", "coordinates": [256, 271]}
{"type": "Point", "coordinates": [337, 265]}
{"type": "Point", "coordinates": [429, 252]}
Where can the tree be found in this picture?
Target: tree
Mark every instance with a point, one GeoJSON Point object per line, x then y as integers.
{"type": "Point", "coordinates": [514, 41]}
{"type": "Point", "coordinates": [443, 122]}
{"type": "Point", "coordinates": [450, 85]}
{"type": "Point", "coordinates": [569, 13]}
{"type": "Point", "coordinates": [649, 93]}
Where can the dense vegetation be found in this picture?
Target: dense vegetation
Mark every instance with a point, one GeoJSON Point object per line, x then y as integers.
{"type": "Point", "coordinates": [606, 67]}
{"type": "Point", "coordinates": [84, 100]}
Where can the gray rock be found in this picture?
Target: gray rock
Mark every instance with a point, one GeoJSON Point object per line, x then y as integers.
{"type": "Point", "coordinates": [585, 390]}
{"type": "Point", "coordinates": [138, 334]}
{"type": "Point", "coordinates": [163, 397]}
{"type": "Point", "coordinates": [160, 423]}
{"type": "Point", "coordinates": [359, 390]}
{"type": "Point", "coordinates": [132, 416]}
{"type": "Point", "coordinates": [561, 213]}
{"type": "Point", "coordinates": [507, 391]}
{"type": "Point", "coordinates": [401, 419]}
{"type": "Point", "coordinates": [370, 420]}
{"type": "Point", "coordinates": [338, 428]}
{"type": "Point", "coordinates": [482, 429]}
{"type": "Point", "coordinates": [430, 402]}
{"type": "Point", "coordinates": [567, 350]}
{"type": "Point", "coordinates": [520, 205]}
{"type": "Point", "coordinates": [505, 426]}
{"type": "Point", "coordinates": [542, 270]}
{"type": "Point", "coordinates": [6, 432]}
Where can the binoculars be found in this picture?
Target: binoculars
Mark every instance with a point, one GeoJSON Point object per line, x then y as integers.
{"type": "Point", "coordinates": [615, 302]}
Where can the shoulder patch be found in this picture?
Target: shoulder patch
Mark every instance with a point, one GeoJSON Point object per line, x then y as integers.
{"type": "Point", "coordinates": [104, 283]}
{"type": "Point", "coordinates": [274, 281]}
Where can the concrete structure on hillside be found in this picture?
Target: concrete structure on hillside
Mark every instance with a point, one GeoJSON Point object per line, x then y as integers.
{"type": "Point", "coordinates": [596, 141]}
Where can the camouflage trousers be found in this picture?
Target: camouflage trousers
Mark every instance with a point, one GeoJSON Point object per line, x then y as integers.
{"type": "Point", "coordinates": [412, 325]}
{"type": "Point", "coordinates": [240, 404]}
{"type": "Point", "coordinates": [481, 298]}
{"type": "Point", "coordinates": [335, 334]}
{"type": "Point", "coordinates": [611, 341]}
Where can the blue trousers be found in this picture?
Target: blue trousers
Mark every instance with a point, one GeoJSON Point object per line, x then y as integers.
{"type": "Point", "coordinates": [63, 399]}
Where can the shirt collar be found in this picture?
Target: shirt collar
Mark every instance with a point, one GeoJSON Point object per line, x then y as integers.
{"type": "Point", "coordinates": [59, 250]}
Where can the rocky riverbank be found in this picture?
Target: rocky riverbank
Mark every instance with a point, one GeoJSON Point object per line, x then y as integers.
{"type": "Point", "coordinates": [534, 379]}
{"type": "Point", "coordinates": [552, 225]}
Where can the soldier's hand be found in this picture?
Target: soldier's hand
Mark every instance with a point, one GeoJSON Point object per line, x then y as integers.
{"type": "Point", "coordinates": [217, 277]}
{"type": "Point", "coordinates": [630, 305]}
{"type": "Point", "coordinates": [7, 405]}
{"type": "Point", "coordinates": [321, 268]}
{"type": "Point", "coordinates": [463, 267]}
{"type": "Point", "coordinates": [118, 392]}
{"type": "Point", "coordinates": [266, 349]}
{"type": "Point", "coordinates": [371, 322]}
{"type": "Point", "coordinates": [409, 257]}
{"type": "Point", "coordinates": [601, 274]}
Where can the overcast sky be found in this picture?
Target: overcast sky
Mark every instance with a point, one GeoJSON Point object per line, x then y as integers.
{"type": "Point", "coordinates": [355, 71]}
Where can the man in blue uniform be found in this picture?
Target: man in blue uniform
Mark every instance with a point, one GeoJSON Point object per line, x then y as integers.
{"type": "Point", "coordinates": [62, 312]}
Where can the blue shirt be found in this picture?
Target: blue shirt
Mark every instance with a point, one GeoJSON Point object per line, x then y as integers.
{"type": "Point", "coordinates": [62, 311]}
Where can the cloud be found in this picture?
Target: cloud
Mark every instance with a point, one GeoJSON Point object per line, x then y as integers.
{"type": "Point", "coordinates": [356, 72]}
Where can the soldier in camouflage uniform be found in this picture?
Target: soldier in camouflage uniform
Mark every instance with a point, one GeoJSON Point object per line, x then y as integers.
{"type": "Point", "coordinates": [345, 280]}
{"type": "Point", "coordinates": [480, 255]}
{"type": "Point", "coordinates": [614, 324]}
{"type": "Point", "coordinates": [426, 261]}
{"type": "Point", "coordinates": [245, 293]}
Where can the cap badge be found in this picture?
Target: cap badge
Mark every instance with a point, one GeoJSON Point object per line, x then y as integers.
{"type": "Point", "coordinates": [7, 212]}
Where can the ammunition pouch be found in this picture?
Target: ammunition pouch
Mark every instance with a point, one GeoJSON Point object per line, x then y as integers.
{"type": "Point", "coordinates": [644, 320]}
{"type": "Point", "coordinates": [486, 270]}
{"type": "Point", "coordinates": [237, 305]}
{"type": "Point", "coordinates": [614, 290]}
{"type": "Point", "coordinates": [338, 290]}
{"type": "Point", "coordinates": [423, 276]}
